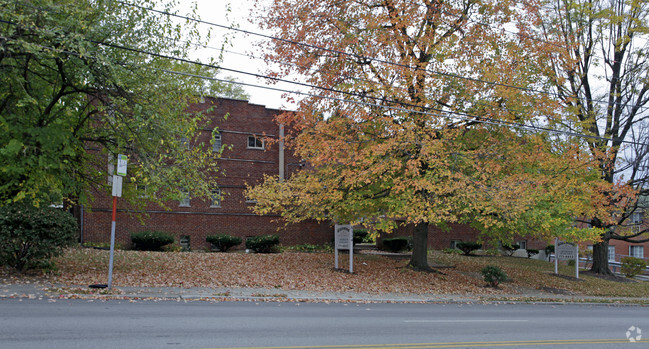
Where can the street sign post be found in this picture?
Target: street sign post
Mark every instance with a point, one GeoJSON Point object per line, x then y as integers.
{"type": "Point", "coordinates": [122, 161]}
{"type": "Point", "coordinates": [344, 240]}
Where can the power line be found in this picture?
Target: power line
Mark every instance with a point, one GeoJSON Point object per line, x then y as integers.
{"type": "Point", "coordinates": [438, 112]}
{"type": "Point", "coordinates": [361, 57]}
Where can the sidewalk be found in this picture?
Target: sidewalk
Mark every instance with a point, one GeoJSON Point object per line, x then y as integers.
{"type": "Point", "coordinates": [48, 291]}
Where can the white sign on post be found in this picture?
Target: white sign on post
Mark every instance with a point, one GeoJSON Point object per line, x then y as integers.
{"type": "Point", "coordinates": [122, 161]}
{"type": "Point", "coordinates": [344, 240]}
{"type": "Point", "coordinates": [566, 251]}
{"type": "Point", "coordinates": [117, 186]}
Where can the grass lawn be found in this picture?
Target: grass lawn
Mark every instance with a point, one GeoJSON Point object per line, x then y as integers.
{"type": "Point", "coordinates": [315, 272]}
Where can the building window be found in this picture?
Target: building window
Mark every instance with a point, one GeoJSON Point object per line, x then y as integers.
{"type": "Point", "coordinates": [636, 251]}
{"type": "Point", "coordinates": [636, 217]}
{"type": "Point", "coordinates": [215, 200]}
{"type": "Point", "coordinates": [454, 243]}
{"type": "Point", "coordinates": [522, 244]}
{"type": "Point", "coordinates": [611, 253]}
{"type": "Point", "coordinates": [185, 243]}
{"type": "Point", "coordinates": [184, 201]}
{"type": "Point", "coordinates": [255, 142]}
{"type": "Point", "coordinates": [216, 147]}
{"type": "Point", "coordinates": [141, 191]}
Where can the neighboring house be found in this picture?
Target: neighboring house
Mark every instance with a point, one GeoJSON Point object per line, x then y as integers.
{"type": "Point", "coordinates": [636, 223]}
{"type": "Point", "coordinates": [192, 218]}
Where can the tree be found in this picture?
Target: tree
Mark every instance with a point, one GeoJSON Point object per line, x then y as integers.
{"type": "Point", "coordinates": [85, 80]}
{"type": "Point", "coordinates": [408, 131]}
{"type": "Point", "coordinates": [598, 67]}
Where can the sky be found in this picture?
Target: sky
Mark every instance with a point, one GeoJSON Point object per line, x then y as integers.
{"type": "Point", "coordinates": [236, 55]}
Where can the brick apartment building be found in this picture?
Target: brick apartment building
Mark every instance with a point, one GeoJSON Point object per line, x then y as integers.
{"type": "Point", "coordinates": [248, 159]}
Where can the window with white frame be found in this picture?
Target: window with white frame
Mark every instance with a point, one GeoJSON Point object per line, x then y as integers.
{"type": "Point", "coordinates": [215, 199]}
{"type": "Point", "coordinates": [522, 244]}
{"type": "Point", "coordinates": [216, 147]}
{"type": "Point", "coordinates": [611, 253]}
{"type": "Point", "coordinates": [185, 199]}
{"type": "Point", "coordinates": [255, 142]}
{"type": "Point", "coordinates": [636, 251]}
{"type": "Point", "coordinates": [636, 217]}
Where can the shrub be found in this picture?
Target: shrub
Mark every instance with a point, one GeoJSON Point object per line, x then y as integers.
{"type": "Point", "coordinates": [452, 251]}
{"type": "Point", "coordinates": [510, 248]}
{"type": "Point", "coordinates": [262, 243]}
{"type": "Point", "coordinates": [549, 249]}
{"type": "Point", "coordinates": [632, 266]}
{"type": "Point", "coordinates": [310, 248]}
{"type": "Point", "coordinates": [31, 236]}
{"type": "Point", "coordinates": [223, 241]}
{"type": "Point", "coordinates": [468, 247]}
{"type": "Point", "coordinates": [360, 235]}
{"type": "Point", "coordinates": [493, 275]}
{"type": "Point", "coordinates": [151, 240]}
{"type": "Point", "coordinates": [532, 252]}
{"type": "Point", "coordinates": [395, 244]}
{"type": "Point", "coordinates": [102, 245]}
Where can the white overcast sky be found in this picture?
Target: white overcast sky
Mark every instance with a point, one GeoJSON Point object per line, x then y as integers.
{"type": "Point", "coordinates": [214, 11]}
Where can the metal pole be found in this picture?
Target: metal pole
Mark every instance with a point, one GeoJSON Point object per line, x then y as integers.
{"type": "Point", "coordinates": [112, 244]}
{"type": "Point", "coordinates": [576, 261]}
{"type": "Point", "coordinates": [351, 255]}
{"type": "Point", "coordinates": [556, 260]}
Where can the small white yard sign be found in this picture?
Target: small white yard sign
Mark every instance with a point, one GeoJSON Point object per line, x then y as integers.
{"type": "Point", "coordinates": [344, 240]}
{"type": "Point", "coordinates": [565, 251]}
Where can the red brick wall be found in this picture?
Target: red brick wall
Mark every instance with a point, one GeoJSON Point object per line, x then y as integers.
{"type": "Point", "coordinates": [439, 239]}
{"type": "Point", "coordinates": [238, 165]}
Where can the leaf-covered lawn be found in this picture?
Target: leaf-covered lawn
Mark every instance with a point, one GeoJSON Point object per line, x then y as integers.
{"type": "Point", "coordinates": [290, 271]}
{"type": "Point", "coordinates": [537, 274]}
{"type": "Point", "coordinates": [315, 272]}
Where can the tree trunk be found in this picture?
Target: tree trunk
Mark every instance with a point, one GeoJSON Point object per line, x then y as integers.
{"type": "Point", "coordinates": [419, 258]}
{"type": "Point", "coordinates": [600, 258]}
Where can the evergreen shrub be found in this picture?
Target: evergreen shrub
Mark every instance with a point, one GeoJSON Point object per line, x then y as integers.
{"type": "Point", "coordinates": [30, 236]}
{"type": "Point", "coordinates": [223, 241]}
{"type": "Point", "coordinates": [493, 275]}
{"type": "Point", "coordinates": [263, 243]}
{"type": "Point", "coordinates": [468, 247]}
{"type": "Point", "coordinates": [151, 240]}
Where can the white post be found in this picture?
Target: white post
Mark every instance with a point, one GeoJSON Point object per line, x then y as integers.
{"type": "Point", "coordinates": [556, 260]}
{"type": "Point", "coordinates": [351, 255]}
{"type": "Point", "coordinates": [336, 249]}
{"type": "Point", "coordinates": [112, 253]}
{"type": "Point", "coordinates": [576, 260]}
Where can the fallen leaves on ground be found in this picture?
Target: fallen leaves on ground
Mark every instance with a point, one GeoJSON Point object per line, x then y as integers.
{"type": "Point", "coordinates": [288, 271]}
{"type": "Point", "coordinates": [373, 274]}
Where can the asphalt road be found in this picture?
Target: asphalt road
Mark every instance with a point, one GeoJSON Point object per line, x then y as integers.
{"type": "Point", "coordinates": [198, 324]}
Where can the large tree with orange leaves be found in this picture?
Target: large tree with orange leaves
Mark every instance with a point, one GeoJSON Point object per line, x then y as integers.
{"type": "Point", "coordinates": [412, 118]}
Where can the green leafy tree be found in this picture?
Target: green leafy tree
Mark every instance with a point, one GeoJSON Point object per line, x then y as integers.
{"type": "Point", "coordinates": [82, 81]}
